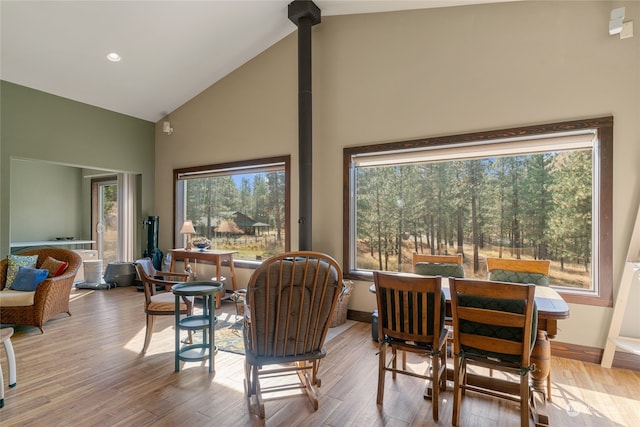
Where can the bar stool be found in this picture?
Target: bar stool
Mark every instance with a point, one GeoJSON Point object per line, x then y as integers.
{"type": "Point", "coordinates": [5, 337]}
{"type": "Point", "coordinates": [204, 322]}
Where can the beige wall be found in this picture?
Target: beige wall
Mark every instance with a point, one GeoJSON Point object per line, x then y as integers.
{"type": "Point", "coordinates": [395, 76]}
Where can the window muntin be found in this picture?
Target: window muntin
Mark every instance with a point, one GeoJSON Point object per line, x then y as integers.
{"type": "Point", "coordinates": [409, 188]}
{"type": "Point", "coordinates": [241, 206]}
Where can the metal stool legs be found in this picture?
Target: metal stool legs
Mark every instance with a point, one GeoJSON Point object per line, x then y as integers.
{"type": "Point", "coordinates": [5, 336]}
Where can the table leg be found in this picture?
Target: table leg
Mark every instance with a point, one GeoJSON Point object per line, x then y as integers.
{"type": "Point", "coordinates": [177, 334]}
{"type": "Point", "coordinates": [541, 357]}
{"type": "Point", "coordinates": [11, 358]}
{"type": "Point", "coordinates": [218, 276]}
{"type": "Point", "coordinates": [212, 337]}
{"type": "Point", "coordinates": [233, 273]}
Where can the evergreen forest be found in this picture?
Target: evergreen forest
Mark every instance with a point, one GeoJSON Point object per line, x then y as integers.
{"type": "Point", "coordinates": [536, 206]}
{"type": "Point", "coordinates": [259, 197]}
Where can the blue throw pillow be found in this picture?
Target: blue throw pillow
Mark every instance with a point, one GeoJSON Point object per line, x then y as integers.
{"type": "Point", "coordinates": [28, 279]}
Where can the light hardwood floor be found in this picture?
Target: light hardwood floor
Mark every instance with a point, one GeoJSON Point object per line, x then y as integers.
{"type": "Point", "coordinates": [86, 370]}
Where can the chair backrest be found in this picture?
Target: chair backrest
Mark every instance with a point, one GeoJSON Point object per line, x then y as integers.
{"type": "Point", "coordinates": [519, 270]}
{"type": "Point", "coordinates": [438, 265]}
{"type": "Point", "coordinates": [494, 319]}
{"type": "Point", "coordinates": [290, 300]}
{"type": "Point", "coordinates": [442, 259]}
{"type": "Point", "coordinates": [146, 273]}
{"type": "Point", "coordinates": [146, 267]}
{"type": "Point", "coordinates": [410, 307]}
{"type": "Point", "coordinates": [437, 269]}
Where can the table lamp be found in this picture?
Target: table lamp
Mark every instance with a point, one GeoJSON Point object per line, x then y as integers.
{"type": "Point", "coordinates": [187, 228]}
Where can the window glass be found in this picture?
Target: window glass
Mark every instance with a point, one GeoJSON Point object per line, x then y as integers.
{"type": "Point", "coordinates": [240, 206]}
{"type": "Point", "coordinates": [535, 196]}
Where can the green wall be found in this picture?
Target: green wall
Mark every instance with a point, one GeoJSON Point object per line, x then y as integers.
{"type": "Point", "coordinates": [38, 127]}
{"type": "Point", "coordinates": [46, 201]}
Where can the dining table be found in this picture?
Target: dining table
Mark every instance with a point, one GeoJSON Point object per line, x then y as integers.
{"type": "Point", "coordinates": [551, 308]}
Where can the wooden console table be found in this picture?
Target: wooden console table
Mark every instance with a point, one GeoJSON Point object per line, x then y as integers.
{"type": "Point", "coordinates": [213, 256]}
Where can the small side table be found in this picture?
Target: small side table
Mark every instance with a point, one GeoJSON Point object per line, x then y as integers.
{"type": "Point", "coordinates": [204, 322]}
{"type": "Point", "coordinates": [214, 256]}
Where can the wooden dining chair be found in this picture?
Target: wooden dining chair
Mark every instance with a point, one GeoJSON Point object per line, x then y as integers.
{"type": "Point", "coordinates": [158, 298]}
{"type": "Point", "coordinates": [439, 265]}
{"type": "Point", "coordinates": [533, 271]}
{"type": "Point", "coordinates": [289, 303]}
{"type": "Point", "coordinates": [411, 319]}
{"type": "Point", "coordinates": [494, 326]}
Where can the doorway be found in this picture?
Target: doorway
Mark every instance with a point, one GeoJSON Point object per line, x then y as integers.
{"type": "Point", "coordinates": [104, 217]}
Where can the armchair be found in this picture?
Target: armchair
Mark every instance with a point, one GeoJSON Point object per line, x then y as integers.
{"type": "Point", "coordinates": [50, 298]}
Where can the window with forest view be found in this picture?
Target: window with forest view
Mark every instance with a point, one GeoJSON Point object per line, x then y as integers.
{"type": "Point", "coordinates": [504, 194]}
{"type": "Point", "coordinates": [241, 206]}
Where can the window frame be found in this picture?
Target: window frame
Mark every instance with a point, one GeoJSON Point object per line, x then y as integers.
{"type": "Point", "coordinates": [239, 166]}
{"type": "Point", "coordinates": [603, 234]}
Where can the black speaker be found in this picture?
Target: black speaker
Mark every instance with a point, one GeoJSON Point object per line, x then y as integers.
{"type": "Point", "coordinates": [153, 223]}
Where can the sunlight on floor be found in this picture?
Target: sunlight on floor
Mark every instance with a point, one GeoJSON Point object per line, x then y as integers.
{"type": "Point", "coordinates": [162, 340]}
{"type": "Point", "coordinates": [230, 381]}
{"type": "Point", "coordinates": [570, 399]}
{"type": "Point", "coordinates": [77, 295]}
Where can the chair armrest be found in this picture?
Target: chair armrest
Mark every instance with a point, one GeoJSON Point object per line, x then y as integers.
{"type": "Point", "coordinates": [171, 274]}
{"type": "Point", "coordinates": [53, 287]}
{"type": "Point", "coordinates": [166, 283]}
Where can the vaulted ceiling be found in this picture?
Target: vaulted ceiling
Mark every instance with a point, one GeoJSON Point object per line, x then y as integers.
{"type": "Point", "coordinates": [170, 50]}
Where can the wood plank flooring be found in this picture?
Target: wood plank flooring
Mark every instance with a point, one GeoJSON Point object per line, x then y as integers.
{"type": "Point", "coordinates": [86, 370]}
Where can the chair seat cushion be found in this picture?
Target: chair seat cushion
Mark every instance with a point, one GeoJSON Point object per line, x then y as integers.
{"type": "Point", "coordinates": [439, 269]}
{"type": "Point", "coordinates": [164, 301]}
{"type": "Point", "coordinates": [426, 345]}
{"type": "Point", "coordinates": [11, 298]}
{"type": "Point", "coordinates": [519, 277]}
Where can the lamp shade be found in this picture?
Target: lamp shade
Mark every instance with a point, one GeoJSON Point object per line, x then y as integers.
{"type": "Point", "coordinates": [187, 228]}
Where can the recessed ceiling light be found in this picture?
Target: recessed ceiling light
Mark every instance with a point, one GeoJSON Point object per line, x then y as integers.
{"type": "Point", "coordinates": [113, 57]}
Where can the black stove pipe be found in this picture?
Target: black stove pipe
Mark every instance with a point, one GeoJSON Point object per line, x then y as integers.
{"type": "Point", "coordinates": [305, 14]}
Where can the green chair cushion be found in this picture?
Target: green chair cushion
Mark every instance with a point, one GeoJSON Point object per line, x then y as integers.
{"type": "Point", "coordinates": [439, 269]}
{"type": "Point", "coordinates": [519, 277]}
{"type": "Point", "coordinates": [494, 331]}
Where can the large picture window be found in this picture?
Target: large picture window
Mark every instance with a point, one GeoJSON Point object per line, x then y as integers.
{"type": "Point", "coordinates": [241, 206]}
{"type": "Point", "coordinates": [541, 192]}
